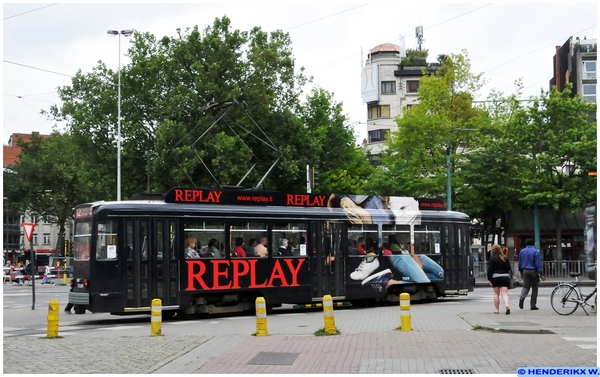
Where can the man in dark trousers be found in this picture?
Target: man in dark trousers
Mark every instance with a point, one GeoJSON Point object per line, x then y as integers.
{"type": "Point", "coordinates": [530, 267]}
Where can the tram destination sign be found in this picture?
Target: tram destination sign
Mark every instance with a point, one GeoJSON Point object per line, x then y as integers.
{"type": "Point", "coordinates": [269, 198]}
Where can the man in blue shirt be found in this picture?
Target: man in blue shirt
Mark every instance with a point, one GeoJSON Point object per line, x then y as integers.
{"type": "Point", "coordinates": [530, 267]}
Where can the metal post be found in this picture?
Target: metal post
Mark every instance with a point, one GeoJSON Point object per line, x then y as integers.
{"type": "Point", "coordinates": [449, 192]}
{"type": "Point", "coordinates": [308, 182]}
{"type": "Point", "coordinates": [536, 222]}
{"type": "Point", "coordinates": [119, 128]}
{"type": "Point", "coordinates": [6, 229]}
{"type": "Point", "coordinates": [126, 33]}
{"type": "Point", "coordinates": [33, 272]}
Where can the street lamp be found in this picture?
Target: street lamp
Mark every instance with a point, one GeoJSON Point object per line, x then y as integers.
{"type": "Point", "coordinates": [536, 220]}
{"type": "Point", "coordinates": [448, 170]}
{"type": "Point", "coordinates": [125, 33]}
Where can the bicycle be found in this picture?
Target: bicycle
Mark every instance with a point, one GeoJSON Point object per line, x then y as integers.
{"type": "Point", "coordinates": [567, 297]}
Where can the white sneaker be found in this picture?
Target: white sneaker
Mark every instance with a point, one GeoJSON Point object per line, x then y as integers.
{"type": "Point", "coordinates": [366, 267]}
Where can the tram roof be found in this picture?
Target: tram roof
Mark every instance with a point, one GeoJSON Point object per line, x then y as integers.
{"type": "Point", "coordinates": [154, 208]}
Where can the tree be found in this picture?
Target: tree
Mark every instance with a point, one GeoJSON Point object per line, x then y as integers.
{"type": "Point", "coordinates": [171, 94]}
{"type": "Point", "coordinates": [343, 168]}
{"type": "Point", "coordinates": [493, 172]}
{"type": "Point", "coordinates": [47, 182]}
{"type": "Point", "coordinates": [443, 123]}
{"type": "Point", "coordinates": [560, 132]}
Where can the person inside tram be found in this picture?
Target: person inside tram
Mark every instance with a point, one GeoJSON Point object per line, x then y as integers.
{"type": "Point", "coordinates": [250, 247]}
{"type": "Point", "coordinates": [353, 247]}
{"type": "Point", "coordinates": [260, 250]}
{"type": "Point", "coordinates": [283, 248]}
{"type": "Point", "coordinates": [238, 250]}
{"type": "Point", "coordinates": [213, 249]}
{"type": "Point", "coordinates": [190, 249]}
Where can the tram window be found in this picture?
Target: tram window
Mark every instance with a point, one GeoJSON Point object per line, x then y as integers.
{"type": "Point", "coordinates": [82, 240]}
{"type": "Point", "coordinates": [427, 239]}
{"type": "Point", "coordinates": [293, 233]}
{"type": "Point", "coordinates": [82, 247]}
{"type": "Point", "coordinates": [209, 235]}
{"type": "Point", "coordinates": [144, 237]}
{"type": "Point", "coordinates": [106, 242]}
{"type": "Point", "coordinates": [83, 228]}
{"type": "Point", "coordinates": [159, 240]}
{"type": "Point", "coordinates": [129, 240]}
{"type": "Point", "coordinates": [399, 235]}
{"type": "Point", "coordinates": [362, 239]}
{"type": "Point", "coordinates": [247, 231]}
{"type": "Point", "coordinates": [172, 252]}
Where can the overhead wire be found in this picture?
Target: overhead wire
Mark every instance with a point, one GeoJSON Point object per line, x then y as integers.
{"type": "Point", "coordinates": [29, 11]}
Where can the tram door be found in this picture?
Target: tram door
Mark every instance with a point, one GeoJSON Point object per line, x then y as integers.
{"type": "Point", "coordinates": [327, 264]}
{"type": "Point", "coordinates": [151, 263]}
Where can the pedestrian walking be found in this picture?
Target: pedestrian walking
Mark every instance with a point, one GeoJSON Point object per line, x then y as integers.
{"type": "Point", "coordinates": [498, 274]}
{"type": "Point", "coordinates": [69, 304]}
{"type": "Point", "coordinates": [530, 267]}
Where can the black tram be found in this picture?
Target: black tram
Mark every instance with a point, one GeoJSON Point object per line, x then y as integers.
{"type": "Point", "coordinates": [128, 253]}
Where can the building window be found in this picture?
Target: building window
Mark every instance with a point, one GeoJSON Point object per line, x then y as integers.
{"type": "Point", "coordinates": [412, 86]}
{"type": "Point", "coordinates": [34, 239]}
{"type": "Point", "coordinates": [379, 112]}
{"type": "Point", "coordinates": [589, 70]}
{"type": "Point", "coordinates": [46, 239]}
{"type": "Point", "coordinates": [388, 87]}
{"type": "Point", "coordinates": [589, 92]}
{"type": "Point", "coordinates": [378, 135]}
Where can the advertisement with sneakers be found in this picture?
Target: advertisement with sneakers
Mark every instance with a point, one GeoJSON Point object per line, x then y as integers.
{"type": "Point", "coordinates": [379, 272]}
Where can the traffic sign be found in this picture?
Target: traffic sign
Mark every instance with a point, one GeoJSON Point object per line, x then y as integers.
{"type": "Point", "coordinates": [28, 228]}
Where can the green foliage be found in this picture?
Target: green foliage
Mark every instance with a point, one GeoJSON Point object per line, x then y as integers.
{"type": "Point", "coordinates": [562, 132]}
{"type": "Point", "coordinates": [205, 107]}
{"type": "Point", "coordinates": [330, 145]}
{"type": "Point", "coordinates": [444, 121]}
{"type": "Point", "coordinates": [47, 182]}
{"type": "Point", "coordinates": [322, 332]}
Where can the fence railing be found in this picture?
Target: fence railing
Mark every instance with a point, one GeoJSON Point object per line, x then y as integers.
{"type": "Point", "coordinates": [552, 269]}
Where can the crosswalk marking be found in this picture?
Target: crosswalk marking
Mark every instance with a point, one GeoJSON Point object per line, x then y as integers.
{"type": "Point", "coordinates": [586, 346]}
{"type": "Point", "coordinates": [580, 339]}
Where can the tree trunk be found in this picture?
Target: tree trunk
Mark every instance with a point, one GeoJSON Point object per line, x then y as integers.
{"type": "Point", "coordinates": [558, 219]}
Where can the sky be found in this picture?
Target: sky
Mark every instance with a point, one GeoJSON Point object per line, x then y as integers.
{"type": "Point", "coordinates": [45, 44]}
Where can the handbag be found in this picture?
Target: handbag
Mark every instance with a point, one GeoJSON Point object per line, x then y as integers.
{"type": "Point", "coordinates": [511, 280]}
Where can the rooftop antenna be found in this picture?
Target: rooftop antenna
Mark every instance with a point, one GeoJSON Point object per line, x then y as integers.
{"type": "Point", "coordinates": [419, 35]}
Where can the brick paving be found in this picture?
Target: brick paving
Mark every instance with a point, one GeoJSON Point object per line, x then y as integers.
{"type": "Point", "coordinates": [449, 334]}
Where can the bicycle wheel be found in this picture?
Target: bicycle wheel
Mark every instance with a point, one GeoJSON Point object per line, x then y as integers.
{"type": "Point", "coordinates": [564, 299]}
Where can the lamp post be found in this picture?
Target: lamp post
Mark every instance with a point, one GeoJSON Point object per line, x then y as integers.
{"type": "Point", "coordinates": [448, 170]}
{"type": "Point", "coordinates": [536, 221]}
{"type": "Point", "coordinates": [6, 227]}
{"type": "Point", "coordinates": [125, 33]}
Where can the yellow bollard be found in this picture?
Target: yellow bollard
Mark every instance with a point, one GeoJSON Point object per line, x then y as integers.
{"type": "Point", "coordinates": [328, 313]}
{"type": "Point", "coordinates": [53, 316]}
{"type": "Point", "coordinates": [405, 324]}
{"type": "Point", "coordinates": [156, 317]}
{"type": "Point", "coordinates": [261, 317]}
{"type": "Point", "coordinates": [65, 276]}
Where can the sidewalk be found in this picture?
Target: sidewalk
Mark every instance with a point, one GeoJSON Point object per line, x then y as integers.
{"type": "Point", "coordinates": [583, 281]}
{"type": "Point", "coordinates": [451, 335]}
